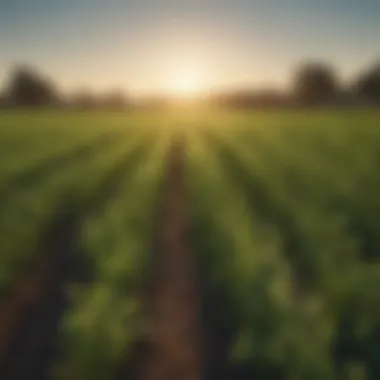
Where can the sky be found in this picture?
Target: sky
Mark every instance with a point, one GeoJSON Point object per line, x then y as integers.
{"type": "Point", "coordinates": [144, 46]}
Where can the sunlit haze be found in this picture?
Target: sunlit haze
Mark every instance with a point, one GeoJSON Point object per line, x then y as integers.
{"type": "Point", "coordinates": [187, 82]}
{"type": "Point", "coordinates": [148, 46]}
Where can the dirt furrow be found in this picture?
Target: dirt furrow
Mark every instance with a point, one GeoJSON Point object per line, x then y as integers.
{"type": "Point", "coordinates": [173, 349]}
{"type": "Point", "coordinates": [29, 321]}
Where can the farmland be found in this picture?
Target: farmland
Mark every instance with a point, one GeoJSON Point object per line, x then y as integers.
{"type": "Point", "coordinates": [236, 245]}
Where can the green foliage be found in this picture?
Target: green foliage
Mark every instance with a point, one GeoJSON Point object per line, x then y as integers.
{"type": "Point", "coordinates": [285, 225]}
{"type": "Point", "coordinates": [283, 211]}
{"type": "Point", "coordinates": [105, 317]}
{"type": "Point", "coordinates": [111, 188]}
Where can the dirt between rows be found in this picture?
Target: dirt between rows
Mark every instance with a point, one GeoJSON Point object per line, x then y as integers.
{"type": "Point", "coordinates": [29, 317]}
{"type": "Point", "coordinates": [173, 344]}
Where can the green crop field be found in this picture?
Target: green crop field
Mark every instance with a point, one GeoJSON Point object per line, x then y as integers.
{"type": "Point", "coordinates": [282, 210]}
{"type": "Point", "coordinates": [285, 224]}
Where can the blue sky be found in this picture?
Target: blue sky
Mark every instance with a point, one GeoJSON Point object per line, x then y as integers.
{"type": "Point", "coordinates": [138, 44]}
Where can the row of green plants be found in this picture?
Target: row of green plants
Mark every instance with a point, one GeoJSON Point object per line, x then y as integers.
{"type": "Point", "coordinates": [105, 317]}
{"type": "Point", "coordinates": [30, 141]}
{"type": "Point", "coordinates": [284, 226]}
{"type": "Point", "coordinates": [320, 186]}
{"type": "Point", "coordinates": [27, 212]}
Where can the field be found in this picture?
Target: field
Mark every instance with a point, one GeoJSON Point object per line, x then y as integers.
{"type": "Point", "coordinates": [188, 245]}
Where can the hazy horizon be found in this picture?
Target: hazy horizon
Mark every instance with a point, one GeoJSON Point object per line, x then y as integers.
{"type": "Point", "coordinates": [143, 46]}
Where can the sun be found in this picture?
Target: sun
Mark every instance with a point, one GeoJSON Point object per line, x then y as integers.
{"type": "Point", "coordinates": [186, 82]}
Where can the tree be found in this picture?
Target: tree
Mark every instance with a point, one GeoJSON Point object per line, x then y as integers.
{"type": "Point", "coordinates": [315, 83]}
{"type": "Point", "coordinates": [368, 84]}
{"type": "Point", "coordinates": [28, 88]}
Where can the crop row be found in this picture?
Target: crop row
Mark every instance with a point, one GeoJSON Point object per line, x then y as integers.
{"type": "Point", "coordinates": [284, 225]}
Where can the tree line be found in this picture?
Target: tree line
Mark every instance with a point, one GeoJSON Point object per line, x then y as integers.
{"type": "Point", "coordinates": [313, 84]}
{"type": "Point", "coordinates": [27, 87]}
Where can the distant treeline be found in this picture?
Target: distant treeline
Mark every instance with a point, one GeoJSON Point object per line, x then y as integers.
{"type": "Point", "coordinates": [27, 87]}
{"type": "Point", "coordinates": [313, 84]}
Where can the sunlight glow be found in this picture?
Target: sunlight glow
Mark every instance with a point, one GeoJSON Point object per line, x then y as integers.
{"type": "Point", "coordinates": [186, 82]}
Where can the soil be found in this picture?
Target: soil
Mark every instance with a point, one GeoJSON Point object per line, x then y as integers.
{"type": "Point", "coordinates": [29, 319]}
{"type": "Point", "coordinates": [173, 347]}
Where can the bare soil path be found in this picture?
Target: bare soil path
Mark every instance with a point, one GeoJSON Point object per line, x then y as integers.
{"type": "Point", "coordinates": [174, 338]}
{"type": "Point", "coordinates": [29, 321]}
